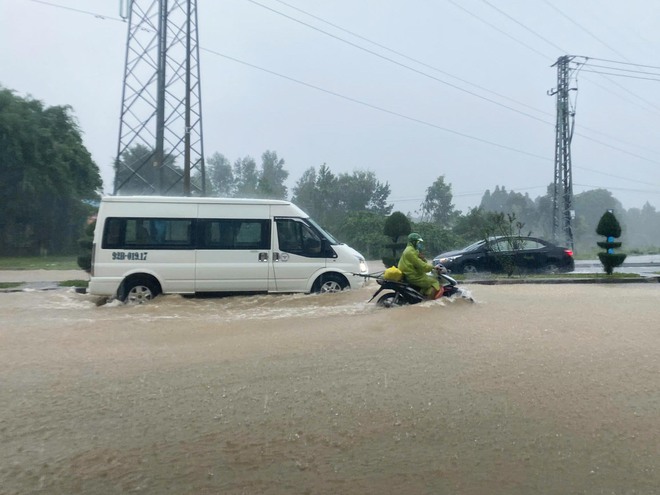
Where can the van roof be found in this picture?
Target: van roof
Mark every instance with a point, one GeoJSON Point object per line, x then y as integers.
{"type": "Point", "coordinates": [193, 200]}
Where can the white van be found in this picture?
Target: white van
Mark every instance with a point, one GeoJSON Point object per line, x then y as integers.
{"type": "Point", "coordinates": [148, 245]}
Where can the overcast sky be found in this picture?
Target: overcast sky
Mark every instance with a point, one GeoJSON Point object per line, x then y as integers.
{"type": "Point", "coordinates": [462, 93]}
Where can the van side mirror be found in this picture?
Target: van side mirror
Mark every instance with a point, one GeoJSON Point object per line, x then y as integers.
{"type": "Point", "coordinates": [326, 249]}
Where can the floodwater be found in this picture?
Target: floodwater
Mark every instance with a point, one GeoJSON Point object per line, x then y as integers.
{"type": "Point", "coordinates": [548, 389]}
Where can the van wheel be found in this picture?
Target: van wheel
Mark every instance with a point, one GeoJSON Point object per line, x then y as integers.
{"type": "Point", "coordinates": [331, 283]}
{"type": "Point", "coordinates": [139, 291]}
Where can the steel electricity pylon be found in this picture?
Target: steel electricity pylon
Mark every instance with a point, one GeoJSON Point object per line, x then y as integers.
{"type": "Point", "coordinates": [160, 149]}
{"type": "Point", "coordinates": [562, 200]}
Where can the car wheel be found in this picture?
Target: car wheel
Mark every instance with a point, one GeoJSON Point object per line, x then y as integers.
{"type": "Point", "coordinates": [331, 283]}
{"type": "Point", "coordinates": [470, 269]}
{"type": "Point", "coordinates": [552, 268]}
{"type": "Point", "coordinates": [139, 291]}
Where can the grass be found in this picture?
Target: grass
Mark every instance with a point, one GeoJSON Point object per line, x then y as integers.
{"type": "Point", "coordinates": [569, 276]}
{"type": "Point", "coordinates": [39, 263]}
{"type": "Point", "coordinates": [74, 283]}
{"type": "Point", "coordinates": [584, 275]}
{"type": "Point", "coordinates": [9, 285]}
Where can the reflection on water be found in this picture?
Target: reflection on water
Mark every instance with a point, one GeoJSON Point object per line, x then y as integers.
{"type": "Point", "coordinates": [538, 389]}
{"type": "Point", "coordinates": [69, 304]}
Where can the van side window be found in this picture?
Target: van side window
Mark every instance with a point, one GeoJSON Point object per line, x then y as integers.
{"type": "Point", "coordinates": [148, 233]}
{"type": "Point", "coordinates": [296, 237]}
{"type": "Point", "coordinates": [234, 234]}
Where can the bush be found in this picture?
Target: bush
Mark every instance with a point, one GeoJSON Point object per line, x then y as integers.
{"type": "Point", "coordinates": [396, 226]}
{"type": "Point", "coordinates": [609, 227]}
{"type": "Point", "coordinates": [85, 244]}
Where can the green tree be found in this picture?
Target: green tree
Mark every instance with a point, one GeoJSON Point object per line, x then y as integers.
{"type": "Point", "coordinates": [246, 178]}
{"type": "Point", "coordinates": [365, 231]}
{"type": "Point", "coordinates": [330, 199]}
{"type": "Point", "coordinates": [46, 173]}
{"type": "Point", "coordinates": [361, 190]}
{"type": "Point", "coordinates": [437, 239]}
{"type": "Point", "coordinates": [272, 177]}
{"type": "Point", "coordinates": [512, 203]}
{"type": "Point", "coordinates": [316, 194]}
{"type": "Point", "coordinates": [86, 244]}
{"type": "Point", "coordinates": [135, 173]}
{"type": "Point", "coordinates": [437, 206]}
{"type": "Point", "coordinates": [328, 212]}
{"type": "Point", "coordinates": [305, 193]}
{"type": "Point", "coordinates": [396, 228]}
{"type": "Point", "coordinates": [220, 176]}
{"type": "Point", "coordinates": [476, 224]}
{"type": "Point", "coordinates": [544, 214]}
{"type": "Point", "coordinates": [642, 227]}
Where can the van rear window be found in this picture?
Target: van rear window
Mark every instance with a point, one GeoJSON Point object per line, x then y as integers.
{"type": "Point", "coordinates": [151, 233]}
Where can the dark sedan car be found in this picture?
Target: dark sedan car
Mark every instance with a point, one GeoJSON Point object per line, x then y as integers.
{"type": "Point", "coordinates": [508, 255]}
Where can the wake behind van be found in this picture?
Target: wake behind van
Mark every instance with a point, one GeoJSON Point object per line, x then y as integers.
{"type": "Point", "coordinates": [148, 245]}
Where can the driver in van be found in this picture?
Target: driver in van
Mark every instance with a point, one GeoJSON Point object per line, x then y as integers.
{"type": "Point", "coordinates": [414, 267]}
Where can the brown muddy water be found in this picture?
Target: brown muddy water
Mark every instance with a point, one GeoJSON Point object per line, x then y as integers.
{"type": "Point", "coordinates": [531, 390]}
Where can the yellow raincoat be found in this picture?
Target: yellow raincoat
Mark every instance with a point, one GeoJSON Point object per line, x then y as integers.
{"type": "Point", "coordinates": [415, 270]}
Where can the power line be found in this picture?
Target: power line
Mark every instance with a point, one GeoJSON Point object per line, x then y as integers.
{"type": "Point", "coordinates": [610, 67]}
{"type": "Point", "coordinates": [63, 7]}
{"type": "Point", "coordinates": [413, 119]}
{"type": "Point", "coordinates": [414, 60]}
{"type": "Point", "coordinates": [407, 57]}
{"type": "Point", "coordinates": [570, 19]}
{"type": "Point", "coordinates": [562, 50]}
{"type": "Point", "coordinates": [376, 54]}
{"type": "Point", "coordinates": [426, 65]}
{"type": "Point", "coordinates": [619, 62]}
{"type": "Point", "coordinates": [620, 75]}
{"type": "Point", "coordinates": [381, 109]}
{"type": "Point", "coordinates": [455, 4]}
{"type": "Point", "coordinates": [523, 26]}
{"type": "Point", "coordinates": [626, 90]}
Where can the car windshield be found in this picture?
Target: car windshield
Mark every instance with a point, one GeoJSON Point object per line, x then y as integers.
{"type": "Point", "coordinates": [475, 246]}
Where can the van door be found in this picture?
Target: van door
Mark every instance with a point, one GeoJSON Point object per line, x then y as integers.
{"type": "Point", "coordinates": [297, 254]}
{"type": "Point", "coordinates": [233, 254]}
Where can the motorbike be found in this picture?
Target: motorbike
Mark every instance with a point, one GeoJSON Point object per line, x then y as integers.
{"type": "Point", "coordinates": [402, 293]}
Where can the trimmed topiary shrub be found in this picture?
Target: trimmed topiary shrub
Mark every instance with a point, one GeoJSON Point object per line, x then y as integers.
{"type": "Point", "coordinates": [609, 227]}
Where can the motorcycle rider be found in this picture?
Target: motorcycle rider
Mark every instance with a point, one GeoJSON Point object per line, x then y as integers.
{"type": "Point", "coordinates": [415, 268]}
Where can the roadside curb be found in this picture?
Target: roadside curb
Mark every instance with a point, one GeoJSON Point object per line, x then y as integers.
{"type": "Point", "coordinates": [605, 281]}
{"type": "Point", "coordinates": [36, 286]}
{"type": "Point", "coordinates": [44, 286]}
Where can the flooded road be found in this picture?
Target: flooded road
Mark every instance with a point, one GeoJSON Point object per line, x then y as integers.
{"type": "Point", "coordinates": [534, 389]}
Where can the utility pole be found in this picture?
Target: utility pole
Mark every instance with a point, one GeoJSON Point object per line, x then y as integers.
{"type": "Point", "coordinates": [562, 200]}
{"type": "Point", "coordinates": [160, 148]}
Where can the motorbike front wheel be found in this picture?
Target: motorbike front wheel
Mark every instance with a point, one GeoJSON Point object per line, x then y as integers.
{"type": "Point", "coordinates": [390, 300]}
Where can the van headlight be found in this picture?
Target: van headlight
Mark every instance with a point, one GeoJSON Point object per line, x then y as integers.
{"type": "Point", "coordinates": [363, 265]}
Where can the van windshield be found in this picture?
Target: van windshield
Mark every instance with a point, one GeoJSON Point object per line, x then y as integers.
{"type": "Point", "coordinates": [330, 239]}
